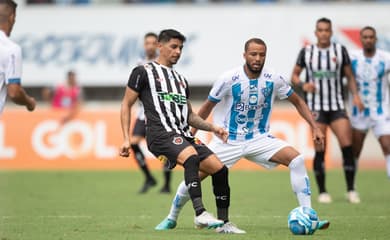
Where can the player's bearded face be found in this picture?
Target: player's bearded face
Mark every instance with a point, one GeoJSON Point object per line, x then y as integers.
{"type": "Point", "coordinates": [323, 33]}
{"type": "Point", "coordinates": [255, 57]}
{"type": "Point", "coordinates": [171, 51]}
{"type": "Point", "coordinates": [368, 40]}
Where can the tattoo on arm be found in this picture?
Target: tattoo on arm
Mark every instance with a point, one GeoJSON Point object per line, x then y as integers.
{"type": "Point", "coordinates": [197, 122]}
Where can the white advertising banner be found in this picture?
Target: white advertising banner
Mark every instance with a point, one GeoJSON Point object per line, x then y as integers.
{"type": "Point", "coordinates": [103, 44]}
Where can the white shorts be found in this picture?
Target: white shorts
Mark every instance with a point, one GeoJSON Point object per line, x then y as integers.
{"type": "Point", "coordinates": [380, 127]}
{"type": "Point", "coordinates": [259, 150]}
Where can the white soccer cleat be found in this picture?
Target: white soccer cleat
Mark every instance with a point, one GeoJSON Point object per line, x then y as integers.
{"type": "Point", "coordinates": [229, 228]}
{"type": "Point", "coordinates": [206, 220]}
{"type": "Point", "coordinates": [324, 198]}
{"type": "Point", "coordinates": [353, 197]}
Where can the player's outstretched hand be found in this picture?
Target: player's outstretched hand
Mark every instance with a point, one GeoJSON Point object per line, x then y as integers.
{"type": "Point", "coordinates": [319, 138]}
{"type": "Point", "coordinates": [124, 150]}
{"type": "Point", "coordinates": [357, 101]}
{"type": "Point", "coordinates": [309, 87]}
{"type": "Point", "coordinates": [221, 133]}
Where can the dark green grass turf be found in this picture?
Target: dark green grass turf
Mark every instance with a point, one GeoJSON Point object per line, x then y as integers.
{"type": "Point", "coordinates": [105, 205]}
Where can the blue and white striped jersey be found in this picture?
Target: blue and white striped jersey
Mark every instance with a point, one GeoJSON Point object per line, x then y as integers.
{"type": "Point", "coordinates": [372, 77]}
{"type": "Point", "coordinates": [245, 105]}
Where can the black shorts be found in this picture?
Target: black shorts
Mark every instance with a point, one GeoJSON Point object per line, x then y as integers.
{"type": "Point", "coordinates": [326, 117]}
{"type": "Point", "coordinates": [139, 128]}
{"type": "Point", "coordinates": [167, 148]}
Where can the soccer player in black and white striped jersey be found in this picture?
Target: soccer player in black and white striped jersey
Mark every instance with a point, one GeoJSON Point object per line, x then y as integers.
{"type": "Point", "coordinates": [164, 94]}
{"type": "Point", "coordinates": [326, 63]}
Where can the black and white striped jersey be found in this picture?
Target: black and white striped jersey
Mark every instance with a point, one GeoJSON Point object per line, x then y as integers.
{"type": "Point", "coordinates": [324, 67]}
{"type": "Point", "coordinates": [164, 94]}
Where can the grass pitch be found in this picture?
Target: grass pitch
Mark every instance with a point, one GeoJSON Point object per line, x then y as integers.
{"type": "Point", "coordinates": [105, 205]}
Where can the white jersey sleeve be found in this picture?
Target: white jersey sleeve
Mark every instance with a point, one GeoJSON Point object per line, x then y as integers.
{"type": "Point", "coordinates": [220, 88]}
{"type": "Point", "coordinates": [13, 72]}
{"type": "Point", "coordinates": [283, 88]}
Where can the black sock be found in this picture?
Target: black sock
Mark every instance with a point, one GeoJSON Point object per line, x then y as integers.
{"type": "Point", "coordinates": [140, 159]}
{"type": "Point", "coordinates": [221, 191]}
{"type": "Point", "coordinates": [349, 167]}
{"type": "Point", "coordinates": [167, 177]}
{"type": "Point", "coordinates": [191, 178]}
{"type": "Point", "coordinates": [319, 170]}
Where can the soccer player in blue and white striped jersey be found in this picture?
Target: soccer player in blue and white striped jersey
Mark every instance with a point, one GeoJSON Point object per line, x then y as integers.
{"type": "Point", "coordinates": [371, 67]}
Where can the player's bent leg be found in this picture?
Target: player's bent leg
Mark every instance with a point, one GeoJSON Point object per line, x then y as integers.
{"type": "Point", "coordinates": [290, 157]}
{"type": "Point", "coordinates": [181, 198]}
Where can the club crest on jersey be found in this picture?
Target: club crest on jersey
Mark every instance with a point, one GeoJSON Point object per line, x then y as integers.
{"type": "Point", "coordinates": [267, 91]}
{"type": "Point", "coordinates": [253, 99]}
{"type": "Point", "coordinates": [177, 140]}
{"type": "Point", "coordinates": [162, 158]}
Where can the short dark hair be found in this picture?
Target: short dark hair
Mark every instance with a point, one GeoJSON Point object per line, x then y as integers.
{"type": "Point", "coordinates": [9, 3]}
{"type": "Point", "coordinates": [168, 34]}
{"type": "Point", "coordinates": [70, 72]}
{"type": "Point", "coordinates": [324, 20]}
{"type": "Point", "coordinates": [367, 28]}
{"type": "Point", "coordinates": [254, 40]}
{"type": "Point", "coordinates": [150, 34]}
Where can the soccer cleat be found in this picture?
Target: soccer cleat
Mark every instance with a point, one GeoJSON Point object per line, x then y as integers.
{"type": "Point", "coordinates": [322, 225]}
{"type": "Point", "coordinates": [148, 184]}
{"type": "Point", "coordinates": [230, 228]}
{"type": "Point", "coordinates": [324, 198]}
{"type": "Point", "coordinates": [165, 189]}
{"type": "Point", "coordinates": [206, 220]}
{"type": "Point", "coordinates": [353, 197]}
{"type": "Point", "coordinates": [166, 224]}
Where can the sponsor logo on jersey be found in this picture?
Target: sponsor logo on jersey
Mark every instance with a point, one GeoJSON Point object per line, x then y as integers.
{"type": "Point", "coordinates": [241, 119]}
{"type": "Point", "coordinates": [177, 140]}
{"type": "Point", "coordinates": [172, 97]}
{"type": "Point", "coordinates": [324, 74]}
{"type": "Point", "coordinates": [267, 75]}
{"type": "Point", "coordinates": [235, 77]}
{"type": "Point", "coordinates": [252, 88]}
{"type": "Point", "coordinates": [162, 158]}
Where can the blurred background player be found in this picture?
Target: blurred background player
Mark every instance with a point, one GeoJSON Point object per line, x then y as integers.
{"type": "Point", "coordinates": [243, 99]}
{"type": "Point", "coordinates": [326, 63]}
{"type": "Point", "coordinates": [66, 96]}
{"type": "Point", "coordinates": [150, 54]}
{"type": "Point", "coordinates": [164, 93]}
{"type": "Point", "coordinates": [11, 60]}
{"type": "Point", "coordinates": [371, 67]}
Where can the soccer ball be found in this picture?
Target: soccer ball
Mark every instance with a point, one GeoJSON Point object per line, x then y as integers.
{"type": "Point", "coordinates": [302, 221]}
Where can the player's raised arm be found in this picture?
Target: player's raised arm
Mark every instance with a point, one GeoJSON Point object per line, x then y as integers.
{"type": "Point", "coordinates": [304, 111]}
{"type": "Point", "coordinates": [194, 120]}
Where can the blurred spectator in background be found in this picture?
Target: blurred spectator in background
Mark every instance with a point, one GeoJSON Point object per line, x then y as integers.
{"type": "Point", "coordinates": [11, 60]}
{"type": "Point", "coordinates": [65, 96]}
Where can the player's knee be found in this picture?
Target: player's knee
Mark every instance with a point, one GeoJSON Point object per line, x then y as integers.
{"type": "Point", "coordinates": [298, 161]}
{"type": "Point", "coordinates": [191, 169]}
{"type": "Point", "coordinates": [221, 187]}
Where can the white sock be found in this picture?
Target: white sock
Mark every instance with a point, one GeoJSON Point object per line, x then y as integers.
{"type": "Point", "coordinates": [300, 181]}
{"type": "Point", "coordinates": [180, 199]}
{"type": "Point", "coordinates": [387, 157]}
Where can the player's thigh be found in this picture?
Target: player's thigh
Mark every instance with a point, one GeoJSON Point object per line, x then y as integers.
{"type": "Point", "coordinates": [211, 165]}
{"type": "Point", "coordinates": [285, 155]}
{"type": "Point", "coordinates": [228, 154]}
{"type": "Point", "coordinates": [263, 149]}
{"type": "Point", "coordinates": [358, 137]}
{"type": "Point", "coordinates": [341, 127]}
{"type": "Point", "coordinates": [171, 149]}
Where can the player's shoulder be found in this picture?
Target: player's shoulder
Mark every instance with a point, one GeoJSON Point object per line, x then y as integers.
{"type": "Point", "coordinates": [11, 47]}
{"type": "Point", "coordinates": [356, 53]}
{"type": "Point", "coordinates": [232, 75]}
{"type": "Point", "coordinates": [383, 54]}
